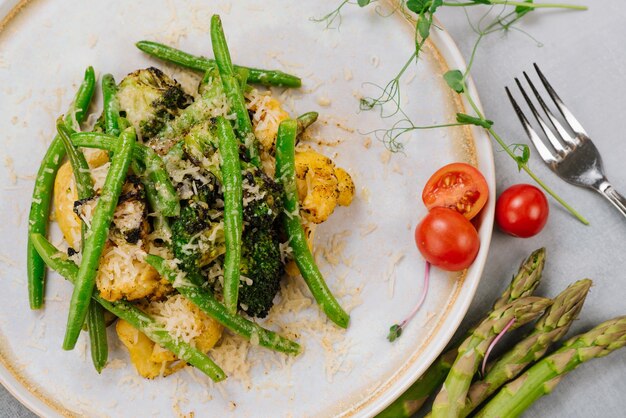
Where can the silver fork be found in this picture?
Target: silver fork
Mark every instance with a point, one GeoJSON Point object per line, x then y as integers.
{"type": "Point", "coordinates": [574, 158]}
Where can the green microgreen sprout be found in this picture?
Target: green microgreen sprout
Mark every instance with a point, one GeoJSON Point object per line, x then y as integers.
{"type": "Point", "coordinates": [396, 329]}
{"type": "Point", "coordinates": [335, 15]}
{"type": "Point", "coordinates": [520, 158]}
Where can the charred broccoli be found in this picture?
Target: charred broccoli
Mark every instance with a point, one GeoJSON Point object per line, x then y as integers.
{"type": "Point", "coordinates": [260, 264]}
{"type": "Point", "coordinates": [197, 241]}
{"type": "Point", "coordinates": [150, 99]}
{"type": "Point", "coordinates": [197, 236]}
{"type": "Point", "coordinates": [262, 199]}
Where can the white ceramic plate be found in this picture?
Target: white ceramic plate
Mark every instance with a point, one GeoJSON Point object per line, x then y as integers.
{"type": "Point", "coordinates": [44, 49]}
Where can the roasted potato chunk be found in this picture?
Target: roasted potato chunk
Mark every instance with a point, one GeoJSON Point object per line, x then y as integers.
{"type": "Point", "coordinates": [124, 274]}
{"type": "Point", "coordinates": [141, 350]}
{"type": "Point", "coordinates": [64, 196]}
{"type": "Point", "coordinates": [266, 115]}
{"type": "Point", "coordinates": [183, 320]}
{"type": "Point", "coordinates": [321, 186]}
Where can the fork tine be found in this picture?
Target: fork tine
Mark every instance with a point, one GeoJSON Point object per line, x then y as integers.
{"type": "Point", "coordinates": [565, 136]}
{"type": "Point", "coordinates": [569, 117]}
{"type": "Point", "coordinates": [544, 152]}
{"type": "Point", "coordinates": [544, 127]}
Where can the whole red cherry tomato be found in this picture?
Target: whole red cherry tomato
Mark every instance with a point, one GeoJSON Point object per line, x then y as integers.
{"type": "Point", "coordinates": [447, 239]}
{"type": "Point", "coordinates": [522, 210]}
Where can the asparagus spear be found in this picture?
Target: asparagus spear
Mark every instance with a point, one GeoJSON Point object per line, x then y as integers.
{"type": "Point", "coordinates": [540, 379]}
{"type": "Point", "coordinates": [526, 281]}
{"type": "Point", "coordinates": [451, 398]}
{"type": "Point", "coordinates": [522, 285]}
{"type": "Point", "coordinates": [551, 327]}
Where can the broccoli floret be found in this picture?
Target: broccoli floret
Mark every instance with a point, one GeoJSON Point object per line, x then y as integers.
{"type": "Point", "coordinates": [197, 241]}
{"type": "Point", "coordinates": [200, 144]}
{"type": "Point", "coordinates": [261, 263]}
{"type": "Point", "coordinates": [150, 99]}
{"type": "Point", "coordinates": [197, 238]}
{"type": "Point", "coordinates": [262, 199]}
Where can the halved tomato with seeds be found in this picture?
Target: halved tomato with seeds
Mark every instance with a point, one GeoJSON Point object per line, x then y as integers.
{"type": "Point", "coordinates": [457, 186]}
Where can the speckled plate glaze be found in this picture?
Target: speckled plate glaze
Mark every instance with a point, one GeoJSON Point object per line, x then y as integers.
{"type": "Point", "coordinates": [45, 46]}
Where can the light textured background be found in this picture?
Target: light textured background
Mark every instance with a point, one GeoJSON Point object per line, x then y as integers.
{"type": "Point", "coordinates": [583, 55]}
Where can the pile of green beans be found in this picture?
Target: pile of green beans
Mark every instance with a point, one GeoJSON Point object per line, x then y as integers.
{"type": "Point", "coordinates": [285, 171]}
{"type": "Point", "coordinates": [42, 194]}
{"type": "Point", "coordinates": [206, 302]}
{"type": "Point", "coordinates": [256, 76]}
{"type": "Point", "coordinates": [129, 313]}
{"type": "Point", "coordinates": [236, 143]}
{"type": "Point", "coordinates": [97, 236]}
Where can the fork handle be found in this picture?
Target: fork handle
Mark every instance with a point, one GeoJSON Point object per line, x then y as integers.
{"type": "Point", "coordinates": [608, 191]}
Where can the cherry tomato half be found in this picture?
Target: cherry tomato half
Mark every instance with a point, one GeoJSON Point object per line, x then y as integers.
{"type": "Point", "coordinates": [522, 210]}
{"type": "Point", "coordinates": [457, 186]}
{"type": "Point", "coordinates": [447, 239]}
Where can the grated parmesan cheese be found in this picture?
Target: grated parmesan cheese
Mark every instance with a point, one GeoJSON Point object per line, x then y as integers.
{"type": "Point", "coordinates": [390, 276]}
{"type": "Point", "coordinates": [347, 74]}
{"type": "Point", "coordinates": [180, 317]}
{"type": "Point", "coordinates": [323, 101]}
{"type": "Point", "coordinates": [8, 163]}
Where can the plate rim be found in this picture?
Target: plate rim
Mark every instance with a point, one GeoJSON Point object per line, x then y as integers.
{"type": "Point", "coordinates": [447, 50]}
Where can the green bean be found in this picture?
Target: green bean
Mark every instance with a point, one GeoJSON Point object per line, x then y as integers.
{"type": "Point", "coordinates": [97, 236]}
{"type": "Point", "coordinates": [111, 105]}
{"type": "Point", "coordinates": [98, 344]}
{"type": "Point", "coordinates": [84, 187]}
{"type": "Point", "coordinates": [257, 76]}
{"type": "Point", "coordinates": [166, 199]}
{"type": "Point", "coordinates": [232, 90]}
{"type": "Point", "coordinates": [190, 288]}
{"type": "Point", "coordinates": [128, 312]}
{"type": "Point", "coordinates": [285, 171]}
{"type": "Point", "coordinates": [123, 123]}
{"type": "Point", "coordinates": [77, 112]}
{"type": "Point", "coordinates": [304, 121]}
{"type": "Point", "coordinates": [80, 168]}
{"type": "Point", "coordinates": [151, 166]}
{"type": "Point", "coordinates": [233, 210]}
{"type": "Point", "coordinates": [242, 76]}
{"type": "Point", "coordinates": [42, 193]}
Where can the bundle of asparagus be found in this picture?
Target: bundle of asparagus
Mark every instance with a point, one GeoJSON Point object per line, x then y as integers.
{"type": "Point", "coordinates": [455, 370]}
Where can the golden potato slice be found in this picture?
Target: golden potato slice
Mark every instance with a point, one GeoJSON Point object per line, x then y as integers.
{"type": "Point", "coordinates": [317, 185]}
{"type": "Point", "coordinates": [65, 195]}
{"type": "Point", "coordinates": [186, 320]}
{"type": "Point", "coordinates": [267, 115]}
{"type": "Point", "coordinates": [160, 354]}
{"type": "Point", "coordinates": [140, 349]}
{"type": "Point", "coordinates": [123, 274]}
